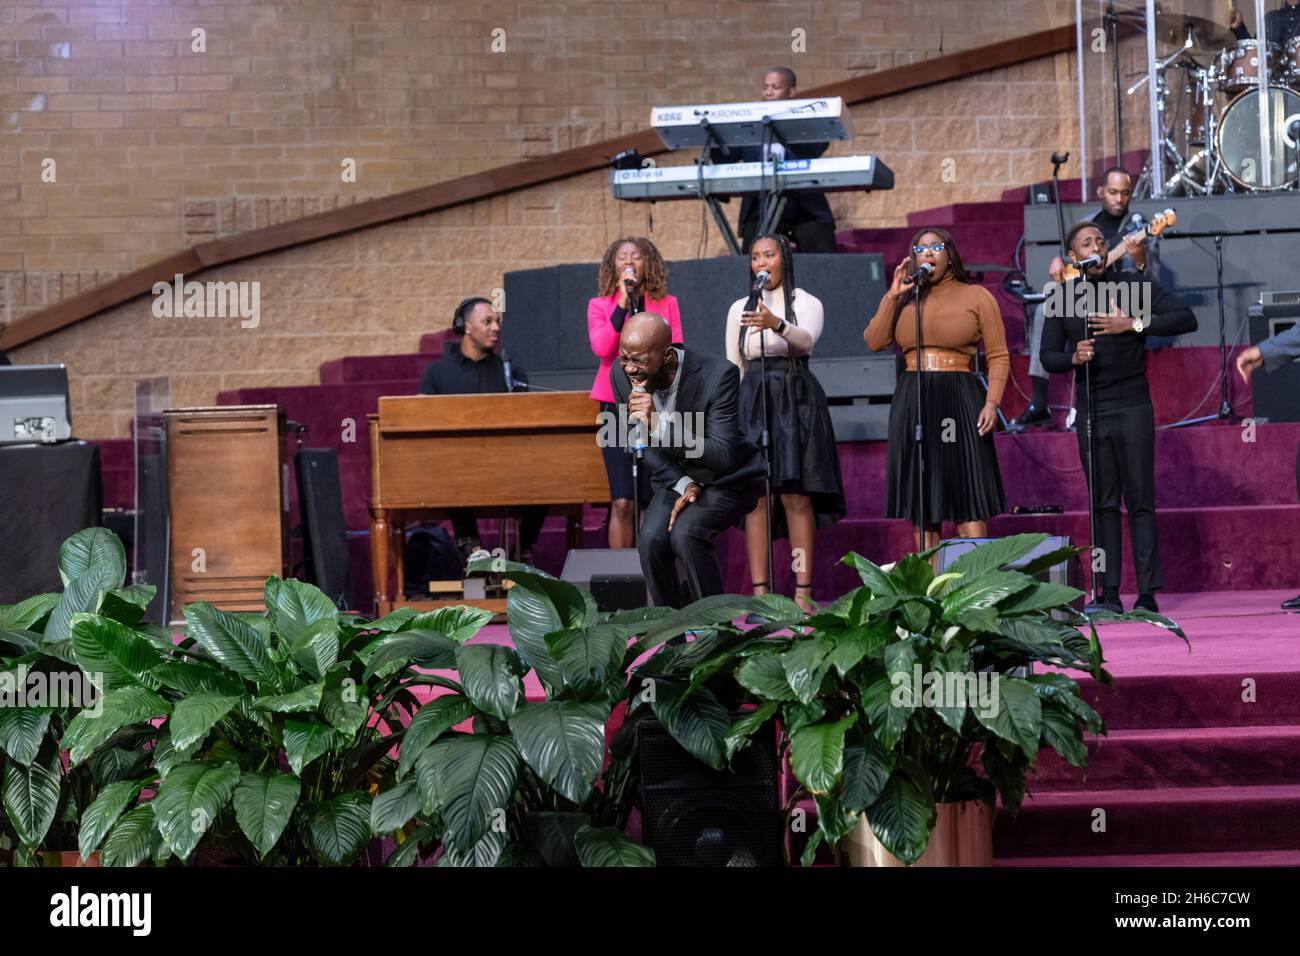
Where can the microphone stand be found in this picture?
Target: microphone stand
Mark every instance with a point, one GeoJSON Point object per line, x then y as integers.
{"type": "Point", "coordinates": [1092, 482]}
{"type": "Point", "coordinates": [752, 305]}
{"type": "Point", "coordinates": [918, 435]}
{"type": "Point", "coordinates": [1059, 160]}
{"type": "Point", "coordinates": [1225, 411]}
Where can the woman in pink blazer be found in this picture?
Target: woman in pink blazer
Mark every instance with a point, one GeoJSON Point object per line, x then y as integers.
{"type": "Point", "coordinates": [629, 265]}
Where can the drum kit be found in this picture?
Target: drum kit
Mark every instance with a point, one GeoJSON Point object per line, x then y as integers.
{"type": "Point", "coordinates": [1211, 112]}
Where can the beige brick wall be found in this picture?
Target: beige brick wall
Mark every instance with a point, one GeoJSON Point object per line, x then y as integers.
{"type": "Point", "coordinates": [158, 147]}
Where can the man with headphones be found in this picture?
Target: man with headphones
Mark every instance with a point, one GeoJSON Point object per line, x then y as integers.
{"type": "Point", "coordinates": [472, 367]}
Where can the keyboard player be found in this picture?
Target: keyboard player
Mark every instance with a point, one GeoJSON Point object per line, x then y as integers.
{"type": "Point", "coordinates": [807, 220]}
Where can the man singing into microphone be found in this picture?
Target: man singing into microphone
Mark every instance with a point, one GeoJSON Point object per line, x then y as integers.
{"type": "Point", "coordinates": [1111, 344]}
{"type": "Point", "coordinates": [472, 367]}
{"type": "Point", "coordinates": [701, 488]}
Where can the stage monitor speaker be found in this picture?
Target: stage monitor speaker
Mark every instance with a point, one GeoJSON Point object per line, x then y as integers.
{"type": "Point", "coordinates": [1276, 394]}
{"type": "Point", "coordinates": [324, 535]}
{"type": "Point", "coordinates": [612, 575]}
{"type": "Point", "coordinates": [693, 815]}
{"type": "Point", "coordinates": [1067, 573]}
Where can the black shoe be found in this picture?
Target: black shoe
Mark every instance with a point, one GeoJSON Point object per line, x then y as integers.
{"type": "Point", "coordinates": [1033, 415]}
{"type": "Point", "coordinates": [1146, 602]}
{"type": "Point", "coordinates": [1292, 605]}
{"type": "Point", "coordinates": [1114, 607]}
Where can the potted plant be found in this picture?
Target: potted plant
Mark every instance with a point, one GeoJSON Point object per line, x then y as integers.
{"type": "Point", "coordinates": [912, 701]}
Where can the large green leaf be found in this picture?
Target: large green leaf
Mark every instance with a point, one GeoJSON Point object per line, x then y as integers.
{"type": "Point", "coordinates": [1016, 715]}
{"type": "Point", "coordinates": [195, 716]}
{"type": "Point", "coordinates": [117, 708]}
{"type": "Point", "coordinates": [536, 606]}
{"type": "Point", "coordinates": [490, 675]}
{"type": "Point", "coordinates": [764, 676]}
{"type": "Point", "coordinates": [188, 801]}
{"type": "Point", "coordinates": [306, 740]}
{"type": "Point", "coordinates": [720, 609]}
{"type": "Point", "coordinates": [264, 803]}
{"type": "Point", "coordinates": [996, 554]}
{"type": "Point", "coordinates": [408, 851]}
{"type": "Point", "coordinates": [610, 846]}
{"type": "Point", "coordinates": [91, 548]}
{"type": "Point", "coordinates": [591, 657]}
{"type": "Point", "coordinates": [742, 730]}
{"type": "Point", "coordinates": [338, 829]}
{"type": "Point", "coordinates": [485, 853]}
{"type": "Point", "coordinates": [950, 687]}
{"type": "Point", "coordinates": [31, 797]}
{"type": "Point", "coordinates": [115, 651]}
{"type": "Point", "coordinates": [985, 591]}
{"type": "Point", "coordinates": [303, 700]}
{"type": "Point", "coordinates": [1061, 730]}
{"type": "Point", "coordinates": [197, 678]}
{"type": "Point", "coordinates": [431, 721]}
{"type": "Point", "coordinates": [805, 664]}
{"type": "Point", "coordinates": [458, 623]}
{"type": "Point", "coordinates": [889, 708]}
{"type": "Point", "coordinates": [873, 576]}
{"type": "Point", "coordinates": [294, 606]}
{"type": "Point", "coordinates": [1042, 596]}
{"type": "Point", "coordinates": [866, 771]}
{"type": "Point", "coordinates": [129, 841]}
{"type": "Point", "coordinates": [80, 596]}
{"type": "Point", "coordinates": [316, 649]}
{"type": "Point", "coordinates": [424, 648]}
{"type": "Point", "coordinates": [26, 614]}
{"type": "Point", "coordinates": [233, 642]}
{"type": "Point", "coordinates": [469, 780]}
{"type": "Point", "coordinates": [902, 818]}
{"type": "Point", "coordinates": [853, 644]}
{"type": "Point", "coordinates": [103, 812]}
{"type": "Point", "coordinates": [22, 642]}
{"type": "Point", "coordinates": [564, 742]}
{"type": "Point", "coordinates": [126, 605]}
{"type": "Point", "coordinates": [698, 722]}
{"type": "Point", "coordinates": [21, 731]}
{"type": "Point", "coordinates": [344, 704]}
{"type": "Point", "coordinates": [817, 753]}
{"type": "Point", "coordinates": [393, 808]}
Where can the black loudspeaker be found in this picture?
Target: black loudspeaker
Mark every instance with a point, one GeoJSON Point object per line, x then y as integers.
{"type": "Point", "coordinates": [693, 815]}
{"type": "Point", "coordinates": [324, 536]}
{"type": "Point", "coordinates": [1275, 395]}
{"type": "Point", "coordinates": [612, 575]}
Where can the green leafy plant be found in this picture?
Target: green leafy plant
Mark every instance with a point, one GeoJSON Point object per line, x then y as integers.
{"type": "Point", "coordinates": [992, 647]}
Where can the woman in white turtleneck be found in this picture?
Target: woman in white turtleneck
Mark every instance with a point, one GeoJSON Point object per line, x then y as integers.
{"type": "Point", "coordinates": [808, 492]}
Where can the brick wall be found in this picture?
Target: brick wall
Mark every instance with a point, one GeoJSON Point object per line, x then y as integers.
{"type": "Point", "coordinates": [158, 147]}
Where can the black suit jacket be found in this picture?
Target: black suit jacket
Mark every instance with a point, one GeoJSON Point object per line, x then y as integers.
{"type": "Point", "coordinates": [708, 384]}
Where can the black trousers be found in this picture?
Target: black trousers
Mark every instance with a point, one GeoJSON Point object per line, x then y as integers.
{"type": "Point", "coordinates": [531, 519]}
{"type": "Point", "coordinates": [1125, 442]}
{"type": "Point", "coordinates": [810, 235]}
{"type": "Point", "coordinates": [691, 541]}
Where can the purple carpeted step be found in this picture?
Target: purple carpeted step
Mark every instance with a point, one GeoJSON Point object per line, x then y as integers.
{"type": "Point", "coordinates": [1189, 819]}
{"type": "Point", "coordinates": [1195, 700]}
{"type": "Point", "coordinates": [1203, 756]}
{"type": "Point", "coordinates": [373, 368]}
{"type": "Point", "coordinates": [1246, 858]}
{"type": "Point", "coordinates": [982, 213]}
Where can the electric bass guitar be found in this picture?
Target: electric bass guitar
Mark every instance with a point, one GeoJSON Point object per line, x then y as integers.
{"type": "Point", "coordinates": [1155, 227]}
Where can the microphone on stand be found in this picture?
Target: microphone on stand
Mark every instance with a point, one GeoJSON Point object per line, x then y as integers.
{"type": "Point", "coordinates": [1083, 265]}
{"type": "Point", "coordinates": [640, 439]}
{"type": "Point", "coordinates": [506, 367]}
{"type": "Point", "coordinates": [760, 283]}
{"type": "Point", "coordinates": [923, 273]}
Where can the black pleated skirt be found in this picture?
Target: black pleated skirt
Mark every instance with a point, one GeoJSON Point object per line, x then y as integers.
{"type": "Point", "coordinates": [802, 441]}
{"type": "Point", "coordinates": [963, 481]}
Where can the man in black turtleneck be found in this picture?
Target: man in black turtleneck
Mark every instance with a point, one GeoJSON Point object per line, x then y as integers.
{"type": "Point", "coordinates": [1113, 347]}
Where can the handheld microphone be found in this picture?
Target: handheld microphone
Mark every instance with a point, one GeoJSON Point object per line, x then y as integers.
{"type": "Point", "coordinates": [629, 281]}
{"type": "Point", "coordinates": [640, 439]}
{"type": "Point", "coordinates": [923, 272]}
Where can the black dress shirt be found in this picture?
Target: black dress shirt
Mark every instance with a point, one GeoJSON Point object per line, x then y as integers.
{"type": "Point", "coordinates": [457, 374]}
{"type": "Point", "coordinates": [1119, 362]}
{"type": "Point", "coordinates": [1279, 26]}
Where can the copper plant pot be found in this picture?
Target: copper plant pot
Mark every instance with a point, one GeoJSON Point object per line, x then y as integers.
{"type": "Point", "coordinates": [68, 858]}
{"type": "Point", "coordinates": [962, 836]}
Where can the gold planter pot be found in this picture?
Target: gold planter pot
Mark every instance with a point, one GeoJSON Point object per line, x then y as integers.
{"type": "Point", "coordinates": [962, 836]}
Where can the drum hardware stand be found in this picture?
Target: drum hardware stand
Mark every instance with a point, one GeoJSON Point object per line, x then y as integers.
{"type": "Point", "coordinates": [1225, 412]}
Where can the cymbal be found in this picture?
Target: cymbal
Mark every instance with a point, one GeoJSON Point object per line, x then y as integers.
{"type": "Point", "coordinates": [1208, 38]}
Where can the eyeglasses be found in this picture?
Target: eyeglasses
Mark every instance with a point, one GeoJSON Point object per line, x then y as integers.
{"type": "Point", "coordinates": [933, 247]}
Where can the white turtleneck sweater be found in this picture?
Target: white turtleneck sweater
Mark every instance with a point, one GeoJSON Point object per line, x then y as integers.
{"type": "Point", "coordinates": [798, 339]}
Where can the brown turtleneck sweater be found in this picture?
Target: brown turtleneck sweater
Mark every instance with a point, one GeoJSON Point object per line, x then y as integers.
{"type": "Point", "coordinates": [954, 317]}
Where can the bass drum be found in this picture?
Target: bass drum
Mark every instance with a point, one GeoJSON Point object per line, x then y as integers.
{"type": "Point", "coordinates": [1238, 139]}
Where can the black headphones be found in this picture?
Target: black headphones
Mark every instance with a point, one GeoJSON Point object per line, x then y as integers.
{"type": "Point", "coordinates": [458, 318]}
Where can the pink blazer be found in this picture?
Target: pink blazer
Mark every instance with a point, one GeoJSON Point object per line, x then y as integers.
{"type": "Point", "coordinates": [604, 340]}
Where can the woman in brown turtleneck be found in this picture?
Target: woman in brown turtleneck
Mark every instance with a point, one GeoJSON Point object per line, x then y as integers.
{"type": "Point", "coordinates": [963, 484]}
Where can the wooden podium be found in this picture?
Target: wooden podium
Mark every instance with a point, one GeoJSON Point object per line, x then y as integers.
{"type": "Point", "coordinates": [430, 453]}
{"type": "Point", "coordinates": [229, 528]}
